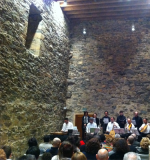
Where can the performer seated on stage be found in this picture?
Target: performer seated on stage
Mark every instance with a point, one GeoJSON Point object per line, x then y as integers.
{"type": "Point", "coordinates": [145, 128]}
{"type": "Point", "coordinates": [67, 125]}
{"type": "Point", "coordinates": [111, 125]}
{"type": "Point", "coordinates": [129, 125]}
{"type": "Point", "coordinates": [91, 124]}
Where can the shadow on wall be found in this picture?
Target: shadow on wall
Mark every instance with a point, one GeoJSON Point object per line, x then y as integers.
{"type": "Point", "coordinates": [33, 22]}
{"type": "Point", "coordinates": [118, 50]}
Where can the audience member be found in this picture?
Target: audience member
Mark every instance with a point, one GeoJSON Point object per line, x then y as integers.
{"type": "Point", "coordinates": [108, 145]}
{"type": "Point", "coordinates": [114, 146]}
{"type": "Point", "coordinates": [102, 138]}
{"type": "Point", "coordinates": [55, 145]}
{"type": "Point", "coordinates": [121, 149]}
{"type": "Point", "coordinates": [131, 156]}
{"type": "Point", "coordinates": [46, 145]}
{"type": "Point", "coordinates": [92, 148]}
{"type": "Point", "coordinates": [78, 156]}
{"type": "Point", "coordinates": [2, 155]}
{"type": "Point", "coordinates": [65, 151]}
{"type": "Point", "coordinates": [7, 150]}
{"type": "Point", "coordinates": [32, 142]}
{"type": "Point", "coordinates": [27, 157]}
{"type": "Point", "coordinates": [87, 138]}
{"type": "Point", "coordinates": [102, 154]}
{"type": "Point", "coordinates": [135, 143]}
{"type": "Point", "coordinates": [130, 141]}
{"type": "Point", "coordinates": [46, 156]}
{"type": "Point", "coordinates": [143, 149]}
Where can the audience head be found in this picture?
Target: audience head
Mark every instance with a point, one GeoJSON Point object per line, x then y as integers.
{"type": "Point", "coordinates": [88, 137]}
{"type": "Point", "coordinates": [34, 151]}
{"type": "Point", "coordinates": [66, 120]}
{"type": "Point", "coordinates": [92, 146]}
{"type": "Point", "coordinates": [85, 113]}
{"type": "Point", "coordinates": [112, 119]}
{"type": "Point", "coordinates": [102, 154]}
{"type": "Point", "coordinates": [117, 135]}
{"type": "Point", "coordinates": [7, 150]}
{"type": "Point", "coordinates": [106, 113]}
{"type": "Point", "coordinates": [109, 139]}
{"type": "Point", "coordinates": [129, 121]}
{"type": "Point", "coordinates": [122, 146]}
{"type": "Point", "coordinates": [145, 120]}
{"type": "Point", "coordinates": [98, 137]}
{"type": "Point", "coordinates": [46, 138]}
{"type": "Point", "coordinates": [91, 119]}
{"type": "Point", "coordinates": [32, 142]}
{"type": "Point", "coordinates": [114, 141]}
{"type": "Point", "coordinates": [27, 157]}
{"type": "Point", "coordinates": [65, 150]}
{"type": "Point", "coordinates": [47, 156]}
{"type": "Point", "coordinates": [131, 156]}
{"type": "Point", "coordinates": [136, 114]}
{"type": "Point", "coordinates": [95, 115]}
{"type": "Point", "coordinates": [121, 113]}
{"type": "Point", "coordinates": [102, 137]}
{"type": "Point", "coordinates": [130, 139]}
{"type": "Point", "coordinates": [134, 136]}
{"type": "Point", "coordinates": [2, 155]}
{"type": "Point", "coordinates": [56, 142]}
{"type": "Point", "coordinates": [145, 142]}
{"type": "Point", "coordinates": [78, 156]}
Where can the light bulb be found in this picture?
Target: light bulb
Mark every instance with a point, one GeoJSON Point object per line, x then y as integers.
{"type": "Point", "coordinates": [84, 31]}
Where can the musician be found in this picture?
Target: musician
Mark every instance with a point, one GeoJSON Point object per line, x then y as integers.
{"type": "Point", "coordinates": [111, 125]}
{"type": "Point", "coordinates": [138, 120]}
{"type": "Point", "coordinates": [129, 126]}
{"type": "Point", "coordinates": [145, 128]}
{"type": "Point", "coordinates": [91, 124]}
{"type": "Point", "coordinates": [67, 125]}
{"type": "Point", "coordinates": [121, 120]}
{"type": "Point", "coordinates": [104, 121]}
{"type": "Point", "coordinates": [85, 121]}
{"type": "Point", "coordinates": [95, 119]}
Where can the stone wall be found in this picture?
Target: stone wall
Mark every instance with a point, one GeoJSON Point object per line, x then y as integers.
{"type": "Point", "coordinates": [33, 75]}
{"type": "Point", "coordinates": [109, 69]}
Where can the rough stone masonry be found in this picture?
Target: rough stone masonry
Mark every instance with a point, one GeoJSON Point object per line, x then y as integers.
{"type": "Point", "coordinates": [33, 78]}
{"type": "Point", "coordinates": [110, 67]}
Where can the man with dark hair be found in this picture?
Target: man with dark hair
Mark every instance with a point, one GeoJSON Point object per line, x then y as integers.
{"type": "Point", "coordinates": [46, 145]}
{"type": "Point", "coordinates": [7, 150]}
{"type": "Point", "coordinates": [34, 150]}
{"type": "Point", "coordinates": [104, 121]}
{"type": "Point", "coordinates": [138, 120]}
{"type": "Point", "coordinates": [121, 120]}
{"type": "Point", "coordinates": [85, 121]}
{"type": "Point", "coordinates": [67, 125]}
{"type": "Point", "coordinates": [95, 119]}
{"type": "Point", "coordinates": [46, 156]}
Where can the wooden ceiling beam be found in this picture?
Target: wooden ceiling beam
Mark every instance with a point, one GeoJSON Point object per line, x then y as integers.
{"type": "Point", "coordinates": [104, 6]}
{"type": "Point", "coordinates": [98, 11]}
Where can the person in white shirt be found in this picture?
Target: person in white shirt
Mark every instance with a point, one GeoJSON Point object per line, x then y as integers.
{"type": "Point", "coordinates": [145, 128]}
{"type": "Point", "coordinates": [91, 124]}
{"type": "Point", "coordinates": [67, 125]}
{"type": "Point", "coordinates": [112, 124]}
{"type": "Point", "coordinates": [46, 145]}
{"type": "Point", "coordinates": [129, 126]}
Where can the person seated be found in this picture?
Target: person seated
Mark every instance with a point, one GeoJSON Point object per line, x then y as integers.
{"type": "Point", "coordinates": [91, 124]}
{"type": "Point", "coordinates": [129, 126]}
{"type": "Point", "coordinates": [87, 138]}
{"type": "Point", "coordinates": [135, 143]}
{"type": "Point", "coordinates": [112, 125]}
{"type": "Point", "coordinates": [92, 148]}
{"type": "Point", "coordinates": [78, 156]}
{"type": "Point", "coordinates": [114, 146]}
{"type": "Point", "coordinates": [102, 155]}
{"type": "Point", "coordinates": [46, 156]}
{"type": "Point", "coordinates": [7, 150]}
{"type": "Point", "coordinates": [145, 128]}
{"type": "Point", "coordinates": [131, 156]}
{"type": "Point", "coordinates": [27, 157]}
{"type": "Point", "coordinates": [130, 141]}
{"type": "Point", "coordinates": [74, 140]}
{"type": "Point", "coordinates": [46, 145]}
{"type": "Point", "coordinates": [55, 145]}
{"type": "Point", "coordinates": [65, 151]}
{"type": "Point", "coordinates": [108, 145]}
{"type": "Point", "coordinates": [67, 125]}
{"type": "Point", "coordinates": [121, 149]}
{"type": "Point", "coordinates": [102, 138]}
{"type": "Point", "coordinates": [143, 149]}
{"type": "Point", "coordinates": [2, 154]}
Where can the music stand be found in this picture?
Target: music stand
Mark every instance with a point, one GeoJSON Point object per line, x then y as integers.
{"type": "Point", "coordinates": [135, 131]}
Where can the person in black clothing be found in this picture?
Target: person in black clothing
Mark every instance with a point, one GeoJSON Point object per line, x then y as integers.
{"type": "Point", "coordinates": [96, 120]}
{"type": "Point", "coordinates": [138, 120]}
{"type": "Point", "coordinates": [85, 121]}
{"type": "Point", "coordinates": [121, 120]}
{"type": "Point", "coordinates": [104, 121]}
